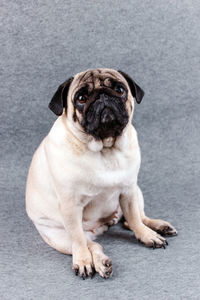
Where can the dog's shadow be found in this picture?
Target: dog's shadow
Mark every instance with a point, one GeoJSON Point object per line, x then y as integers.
{"type": "Point", "coordinates": [122, 234]}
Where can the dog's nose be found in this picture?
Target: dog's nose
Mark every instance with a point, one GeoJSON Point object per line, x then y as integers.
{"type": "Point", "coordinates": [107, 116]}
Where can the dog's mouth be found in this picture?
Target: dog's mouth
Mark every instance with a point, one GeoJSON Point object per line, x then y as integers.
{"type": "Point", "coordinates": [105, 117]}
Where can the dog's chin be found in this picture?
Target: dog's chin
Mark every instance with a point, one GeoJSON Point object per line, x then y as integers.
{"type": "Point", "coordinates": [104, 131]}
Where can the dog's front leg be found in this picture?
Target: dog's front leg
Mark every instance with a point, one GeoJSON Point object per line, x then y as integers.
{"type": "Point", "coordinates": [129, 203]}
{"type": "Point", "coordinates": [72, 220]}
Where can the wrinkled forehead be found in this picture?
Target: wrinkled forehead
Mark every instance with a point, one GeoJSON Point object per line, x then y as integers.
{"type": "Point", "coordinates": [94, 78]}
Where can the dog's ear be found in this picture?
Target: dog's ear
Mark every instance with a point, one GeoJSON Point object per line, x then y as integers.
{"type": "Point", "coordinates": [59, 100]}
{"type": "Point", "coordinates": [136, 91]}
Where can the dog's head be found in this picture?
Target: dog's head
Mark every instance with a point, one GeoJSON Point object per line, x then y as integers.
{"type": "Point", "coordinates": [99, 100]}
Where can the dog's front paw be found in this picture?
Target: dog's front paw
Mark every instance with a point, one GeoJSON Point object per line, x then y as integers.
{"type": "Point", "coordinates": [103, 265]}
{"type": "Point", "coordinates": [150, 238]}
{"type": "Point", "coordinates": [82, 264]}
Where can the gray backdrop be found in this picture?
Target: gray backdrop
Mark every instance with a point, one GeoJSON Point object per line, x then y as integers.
{"type": "Point", "coordinates": [156, 42]}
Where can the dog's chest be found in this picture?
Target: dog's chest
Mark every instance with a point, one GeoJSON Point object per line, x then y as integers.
{"type": "Point", "coordinates": [109, 175]}
{"type": "Point", "coordinates": [108, 172]}
{"type": "Point", "coordinates": [114, 169]}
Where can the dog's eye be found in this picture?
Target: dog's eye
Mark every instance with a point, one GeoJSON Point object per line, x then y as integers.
{"type": "Point", "coordinates": [119, 89]}
{"type": "Point", "coordinates": [82, 98]}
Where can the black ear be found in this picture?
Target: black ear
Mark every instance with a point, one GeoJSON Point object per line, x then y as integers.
{"type": "Point", "coordinates": [136, 91]}
{"type": "Point", "coordinates": [59, 100]}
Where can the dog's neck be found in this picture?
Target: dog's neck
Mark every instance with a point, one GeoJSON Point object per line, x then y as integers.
{"type": "Point", "coordinates": [80, 137]}
{"type": "Point", "coordinates": [98, 145]}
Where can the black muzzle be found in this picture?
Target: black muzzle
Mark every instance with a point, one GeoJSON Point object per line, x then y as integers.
{"type": "Point", "coordinates": [105, 117]}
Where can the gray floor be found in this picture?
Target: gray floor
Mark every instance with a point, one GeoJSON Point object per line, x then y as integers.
{"type": "Point", "coordinates": [156, 42]}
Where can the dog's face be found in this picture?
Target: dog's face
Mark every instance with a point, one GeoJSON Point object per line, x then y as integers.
{"type": "Point", "coordinates": [99, 100]}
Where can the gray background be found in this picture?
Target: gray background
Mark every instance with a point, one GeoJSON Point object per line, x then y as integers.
{"type": "Point", "coordinates": [158, 44]}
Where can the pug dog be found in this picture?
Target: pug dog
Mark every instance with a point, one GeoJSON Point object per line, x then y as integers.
{"type": "Point", "coordinates": [83, 176]}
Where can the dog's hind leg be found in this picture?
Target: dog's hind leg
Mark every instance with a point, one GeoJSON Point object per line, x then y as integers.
{"type": "Point", "coordinates": [157, 225]}
{"type": "Point", "coordinates": [54, 234]}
